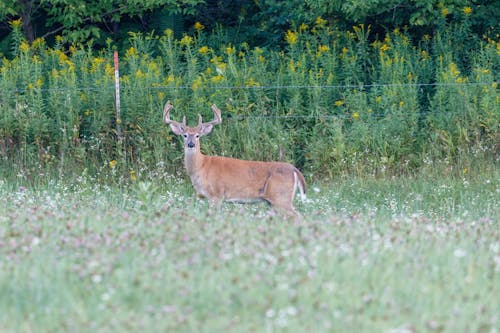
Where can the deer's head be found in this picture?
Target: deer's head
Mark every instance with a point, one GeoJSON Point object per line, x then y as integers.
{"type": "Point", "coordinates": [191, 135]}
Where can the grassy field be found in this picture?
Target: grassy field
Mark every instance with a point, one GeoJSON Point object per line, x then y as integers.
{"type": "Point", "coordinates": [417, 254]}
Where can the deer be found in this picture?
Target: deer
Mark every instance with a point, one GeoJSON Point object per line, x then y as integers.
{"type": "Point", "coordinates": [220, 178]}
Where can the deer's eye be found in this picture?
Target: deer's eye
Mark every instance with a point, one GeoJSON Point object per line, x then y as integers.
{"type": "Point", "coordinates": [197, 136]}
{"type": "Point", "coordinates": [185, 135]}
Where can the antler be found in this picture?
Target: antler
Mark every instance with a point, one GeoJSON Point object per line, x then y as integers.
{"type": "Point", "coordinates": [217, 118]}
{"type": "Point", "coordinates": [166, 116]}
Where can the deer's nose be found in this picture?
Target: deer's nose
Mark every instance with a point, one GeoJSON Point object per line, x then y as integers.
{"type": "Point", "coordinates": [190, 144]}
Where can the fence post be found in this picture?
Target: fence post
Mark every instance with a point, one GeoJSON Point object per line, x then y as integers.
{"type": "Point", "coordinates": [120, 147]}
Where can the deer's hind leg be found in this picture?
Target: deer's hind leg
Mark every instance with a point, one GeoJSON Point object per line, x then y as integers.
{"type": "Point", "coordinates": [279, 193]}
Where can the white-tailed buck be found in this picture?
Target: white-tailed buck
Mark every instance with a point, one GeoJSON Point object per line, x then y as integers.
{"type": "Point", "coordinates": [222, 178]}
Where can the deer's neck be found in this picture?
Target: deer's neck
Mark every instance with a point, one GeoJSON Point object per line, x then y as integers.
{"type": "Point", "coordinates": [193, 160]}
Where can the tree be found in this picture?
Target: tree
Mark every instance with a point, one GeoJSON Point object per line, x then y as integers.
{"type": "Point", "coordinates": [79, 20]}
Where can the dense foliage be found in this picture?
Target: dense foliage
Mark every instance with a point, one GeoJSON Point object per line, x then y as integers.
{"type": "Point", "coordinates": [333, 101]}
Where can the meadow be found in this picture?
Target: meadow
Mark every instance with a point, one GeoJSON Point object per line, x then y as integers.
{"type": "Point", "coordinates": [397, 137]}
{"type": "Point", "coordinates": [409, 254]}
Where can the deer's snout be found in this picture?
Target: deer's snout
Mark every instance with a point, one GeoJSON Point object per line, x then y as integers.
{"type": "Point", "coordinates": [190, 144]}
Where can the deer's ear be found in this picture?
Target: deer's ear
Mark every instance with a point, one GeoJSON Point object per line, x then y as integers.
{"type": "Point", "coordinates": [206, 129]}
{"type": "Point", "coordinates": [177, 128]}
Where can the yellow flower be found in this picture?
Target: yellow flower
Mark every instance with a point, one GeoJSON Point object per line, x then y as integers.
{"type": "Point", "coordinates": [323, 48]}
{"type": "Point", "coordinates": [109, 70]}
{"type": "Point", "coordinates": [378, 99]}
{"type": "Point", "coordinates": [230, 50]}
{"type": "Point", "coordinates": [345, 50]}
{"type": "Point", "coordinates": [454, 70]}
{"type": "Point", "coordinates": [251, 83]}
{"type": "Point", "coordinates": [186, 40]}
{"type": "Point", "coordinates": [261, 59]}
{"type": "Point", "coordinates": [16, 23]}
{"type": "Point", "coordinates": [384, 48]}
{"type": "Point", "coordinates": [197, 83]}
{"type": "Point", "coordinates": [30, 86]}
{"type": "Point", "coordinates": [467, 10]}
{"type": "Point", "coordinates": [339, 103]}
{"type": "Point", "coordinates": [112, 164]}
{"type": "Point", "coordinates": [355, 115]}
{"type": "Point", "coordinates": [204, 50]}
{"type": "Point", "coordinates": [217, 79]}
{"type": "Point", "coordinates": [445, 11]}
{"type": "Point", "coordinates": [133, 175]}
{"type": "Point", "coordinates": [198, 26]}
{"type": "Point", "coordinates": [131, 52]}
{"type": "Point", "coordinates": [321, 22]}
{"type": "Point", "coordinates": [88, 113]}
{"type": "Point", "coordinates": [291, 37]}
{"type": "Point", "coordinates": [24, 47]}
{"type": "Point", "coordinates": [401, 104]}
{"type": "Point", "coordinates": [303, 27]}
{"type": "Point", "coordinates": [169, 33]}
{"type": "Point", "coordinates": [139, 74]}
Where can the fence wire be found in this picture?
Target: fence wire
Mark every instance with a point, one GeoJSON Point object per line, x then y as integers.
{"type": "Point", "coordinates": [260, 87]}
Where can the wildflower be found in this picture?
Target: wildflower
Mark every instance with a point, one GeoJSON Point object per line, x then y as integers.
{"type": "Point", "coordinates": [355, 115]}
{"type": "Point", "coordinates": [109, 70]}
{"type": "Point", "coordinates": [133, 175]}
{"type": "Point", "coordinates": [197, 83]}
{"type": "Point", "coordinates": [131, 52]}
{"type": "Point", "coordinates": [198, 26]}
{"type": "Point", "coordinates": [345, 50]}
{"type": "Point", "coordinates": [485, 71]}
{"type": "Point", "coordinates": [445, 12]}
{"type": "Point", "coordinates": [401, 104]}
{"type": "Point", "coordinates": [378, 99]}
{"type": "Point", "coordinates": [204, 50]}
{"type": "Point", "coordinates": [24, 47]}
{"type": "Point", "coordinates": [16, 24]}
{"type": "Point", "coordinates": [384, 48]}
{"type": "Point", "coordinates": [261, 59]}
{"type": "Point", "coordinates": [186, 40]}
{"type": "Point", "coordinates": [321, 22]}
{"type": "Point", "coordinates": [169, 33]}
{"type": "Point", "coordinates": [303, 27]}
{"type": "Point", "coordinates": [217, 79]}
{"type": "Point", "coordinates": [112, 164]}
{"type": "Point", "coordinates": [410, 76]}
{"type": "Point", "coordinates": [453, 70]}
{"type": "Point", "coordinates": [291, 37]}
{"type": "Point", "coordinates": [339, 103]}
{"type": "Point", "coordinates": [139, 74]}
{"type": "Point", "coordinates": [251, 83]}
{"type": "Point", "coordinates": [467, 10]}
{"type": "Point", "coordinates": [230, 50]}
{"type": "Point", "coordinates": [323, 48]}
{"type": "Point", "coordinates": [88, 113]}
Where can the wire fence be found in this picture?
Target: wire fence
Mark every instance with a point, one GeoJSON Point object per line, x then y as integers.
{"type": "Point", "coordinates": [111, 87]}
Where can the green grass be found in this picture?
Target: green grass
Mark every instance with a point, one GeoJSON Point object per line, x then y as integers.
{"type": "Point", "coordinates": [417, 254]}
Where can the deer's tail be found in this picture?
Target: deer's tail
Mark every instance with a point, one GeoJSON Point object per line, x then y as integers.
{"type": "Point", "coordinates": [300, 183]}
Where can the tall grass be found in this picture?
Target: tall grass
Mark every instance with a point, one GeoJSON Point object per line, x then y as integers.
{"type": "Point", "coordinates": [334, 102]}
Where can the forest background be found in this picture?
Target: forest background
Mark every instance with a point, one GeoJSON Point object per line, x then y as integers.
{"type": "Point", "coordinates": [336, 87]}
